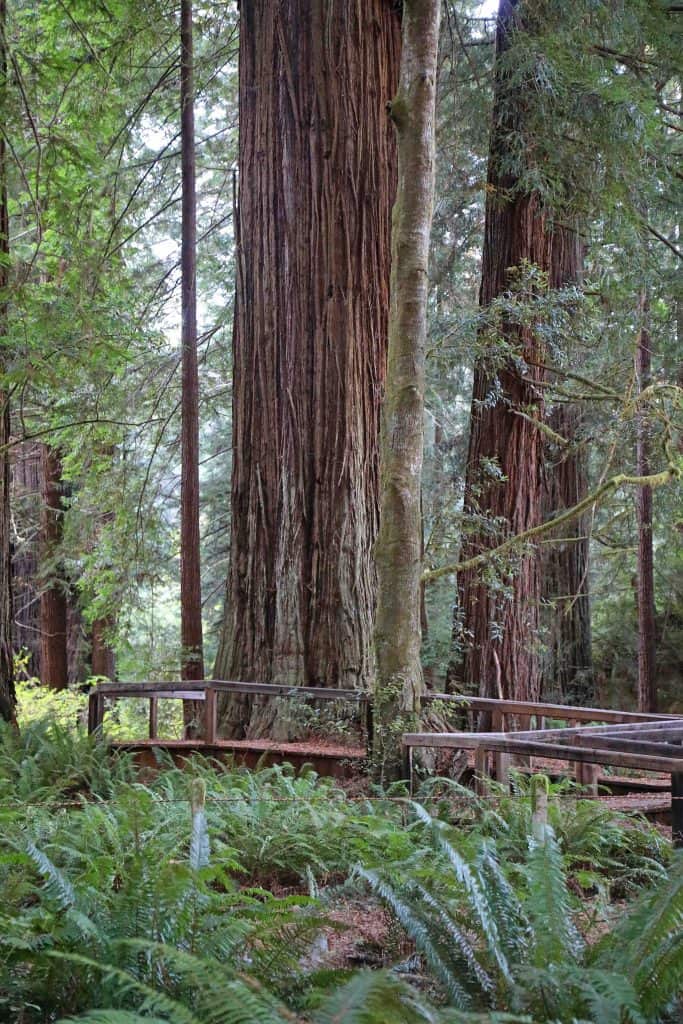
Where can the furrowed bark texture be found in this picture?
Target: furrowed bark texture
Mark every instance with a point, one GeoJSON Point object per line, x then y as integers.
{"type": "Point", "coordinates": [647, 637]}
{"type": "Point", "coordinates": [567, 659]}
{"type": "Point", "coordinates": [317, 179]}
{"type": "Point", "coordinates": [399, 549]}
{"type": "Point", "coordinates": [500, 630]}
{"type": "Point", "coordinates": [192, 665]}
{"type": "Point", "coordinates": [7, 695]}
{"type": "Point", "coordinates": [54, 664]}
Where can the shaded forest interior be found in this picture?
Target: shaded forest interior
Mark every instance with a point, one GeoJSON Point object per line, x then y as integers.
{"type": "Point", "coordinates": [254, 428]}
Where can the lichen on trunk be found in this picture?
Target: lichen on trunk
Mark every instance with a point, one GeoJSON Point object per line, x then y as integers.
{"type": "Point", "coordinates": [399, 549]}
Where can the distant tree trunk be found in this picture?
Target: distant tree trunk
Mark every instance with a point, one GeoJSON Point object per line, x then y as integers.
{"type": "Point", "coordinates": [7, 694]}
{"type": "Point", "coordinates": [567, 659]}
{"type": "Point", "coordinates": [500, 629]}
{"type": "Point", "coordinates": [102, 659]}
{"type": "Point", "coordinates": [192, 666]}
{"type": "Point", "coordinates": [399, 549]}
{"type": "Point", "coordinates": [26, 497]}
{"type": "Point", "coordinates": [53, 595]}
{"type": "Point", "coordinates": [647, 639]}
{"type": "Point", "coordinates": [317, 177]}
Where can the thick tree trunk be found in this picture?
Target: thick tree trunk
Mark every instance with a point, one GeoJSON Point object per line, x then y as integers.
{"type": "Point", "coordinates": [317, 178]}
{"type": "Point", "coordinates": [7, 695]}
{"type": "Point", "coordinates": [647, 638]}
{"type": "Point", "coordinates": [192, 666]}
{"type": "Point", "coordinates": [53, 595]}
{"type": "Point", "coordinates": [567, 659]}
{"type": "Point", "coordinates": [500, 625]}
{"type": "Point", "coordinates": [399, 550]}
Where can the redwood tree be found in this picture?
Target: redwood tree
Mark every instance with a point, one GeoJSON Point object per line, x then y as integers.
{"type": "Point", "coordinates": [317, 173]}
{"type": "Point", "coordinates": [54, 666]}
{"type": "Point", "coordinates": [192, 666]}
{"type": "Point", "coordinates": [505, 460]}
{"type": "Point", "coordinates": [647, 641]}
{"type": "Point", "coordinates": [567, 663]}
{"type": "Point", "coordinates": [7, 696]}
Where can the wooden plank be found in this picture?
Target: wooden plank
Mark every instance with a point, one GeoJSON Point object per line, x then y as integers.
{"type": "Point", "coordinates": [153, 717]}
{"type": "Point", "coordinates": [623, 743]}
{"type": "Point", "coordinates": [190, 689]}
{"type": "Point", "coordinates": [509, 743]}
{"type": "Point", "coordinates": [561, 711]}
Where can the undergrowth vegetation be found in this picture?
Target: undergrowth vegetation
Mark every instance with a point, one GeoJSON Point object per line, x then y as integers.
{"type": "Point", "coordinates": [204, 896]}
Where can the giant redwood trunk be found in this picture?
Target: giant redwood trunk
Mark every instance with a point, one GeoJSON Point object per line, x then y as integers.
{"type": "Point", "coordinates": [317, 172]}
{"type": "Point", "coordinates": [7, 695]}
{"type": "Point", "coordinates": [500, 624]}
{"type": "Point", "coordinates": [54, 662]}
{"type": "Point", "coordinates": [567, 658]}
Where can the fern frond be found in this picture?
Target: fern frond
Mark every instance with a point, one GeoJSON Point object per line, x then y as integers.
{"type": "Point", "coordinates": [374, 997]}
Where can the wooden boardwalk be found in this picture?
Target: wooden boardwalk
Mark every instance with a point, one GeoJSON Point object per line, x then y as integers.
{"type": "Point", "coordinates": [579, 742]}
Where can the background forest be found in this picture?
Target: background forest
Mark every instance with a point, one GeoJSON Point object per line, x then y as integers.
{"type": "Point", "coordinates": [91, 329]}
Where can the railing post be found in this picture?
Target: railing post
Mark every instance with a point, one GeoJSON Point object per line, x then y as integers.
{"type": "Point", "coordinates": [677, 809]}
{"type": "Point", "coordinates": [587, 778]}
{"type": "Point", "coordinates": [95, 711]}
{"type": "Point", "coordinates": [210, 715]}
{"type": "Point", "coordinates": [501, 761]}
{"type": "Point", "coordinates": [153, 717]}
{"type": "Point", "coordinates": [481, 771]}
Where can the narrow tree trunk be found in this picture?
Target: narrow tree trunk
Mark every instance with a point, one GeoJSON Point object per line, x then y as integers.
{"type": "Point", "coordinates": [192, 666]}
{"type": "Point", "coordinates": [102, 659]}
{"type": "Point", "coordinates": [500, 625]}
{"type": "Point", "coordinates": [317, 177]}
{"type": "Point", "coordinates": [53, 654]}
{"type": "Point", "coordinates": [26, 495]}
{"type": "Point", "coordinates": [647, 640]}
{"type": "Point", "coordinates": [7, 695]}
{"type": "Point", "coordinates": [399, 547]}
{"type": "Point", "coordinates": [567, 659]}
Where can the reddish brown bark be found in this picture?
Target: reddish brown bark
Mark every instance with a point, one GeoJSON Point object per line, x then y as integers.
{"type": "Point", "coordinates": [317, 173]}
{"type": "Point", "coordinates": [647, 637]}
{"type": "Point", "coordinates": [192, 666]}
{"type": "Point", "coordinates": [54, 665]}
{"type": "Point", "coordinates": [102, 662]}
{"type": "Point", "coordinates": [567, 660]}
{"type": "Point", "coordinates": [500, 630]}
{"type": "Point", "coordinates": [7, 694]}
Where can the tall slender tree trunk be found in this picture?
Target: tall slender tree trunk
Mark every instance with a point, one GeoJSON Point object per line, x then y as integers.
{"type": "Point", "coordinates": [7, 694]}
{"type": "Point", "coordinates": [647, 638]}
{"type": "Point", "coordinates": [500, 625]}
{"type": "Point", "coordinates": [567, 662]}
{"type": "Point", "coordinates": [26, 499]}
{"type": "Point", "coordinates": [399, 550]}
{"type": "Point", "coordinates": [54, 664]}
{"type": "Point", "coordinates": [317, 176]}
{"type": "Point", "coordinates": [192, 666]}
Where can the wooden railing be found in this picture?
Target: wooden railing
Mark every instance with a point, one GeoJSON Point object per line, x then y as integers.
{"type": "Point", "coordinates": [206, 691]}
